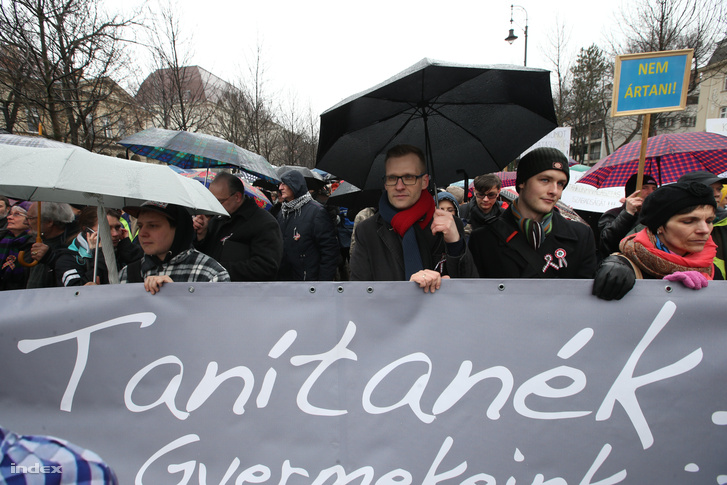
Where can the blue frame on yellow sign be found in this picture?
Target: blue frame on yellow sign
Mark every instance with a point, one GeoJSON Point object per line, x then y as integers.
{"type": "Point", "coordinates": [651, 82]}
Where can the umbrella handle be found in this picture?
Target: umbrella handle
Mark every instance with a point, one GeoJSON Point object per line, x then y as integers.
{"type": "Point", "coordinates": [38, 239]}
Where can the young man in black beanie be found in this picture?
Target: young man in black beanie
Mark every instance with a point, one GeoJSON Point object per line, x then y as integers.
{"type": "Point", "coordinates": [616, 223]}
{"type": "Point", "coordinates": [531, 239]}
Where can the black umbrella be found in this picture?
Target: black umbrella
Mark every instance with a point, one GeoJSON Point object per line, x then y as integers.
{"type": "Point", "coordinates": [472, 118]}
{"type": "Point", "coordinates": [354, 199]}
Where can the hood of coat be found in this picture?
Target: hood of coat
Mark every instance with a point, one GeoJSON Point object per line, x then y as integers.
{"type": "Point", "coordinates": [296, 182]}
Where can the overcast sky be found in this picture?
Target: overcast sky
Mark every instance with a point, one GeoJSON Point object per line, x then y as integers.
{"type": "Point", "coordinates": [322, 51]}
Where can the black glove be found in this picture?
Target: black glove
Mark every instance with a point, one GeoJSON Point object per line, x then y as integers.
{"type": "Point", "coordinates": [614, 278]}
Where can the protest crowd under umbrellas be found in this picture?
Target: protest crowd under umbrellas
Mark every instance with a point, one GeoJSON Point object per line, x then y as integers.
{"type": "Point", "coordinates": [440, 172]}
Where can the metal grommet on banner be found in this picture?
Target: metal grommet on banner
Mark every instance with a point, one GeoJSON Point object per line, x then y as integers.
{"type": "Point", "coordinates": [668, 289]}
{"type": "Point", "coordinates": [78, 293]}
{"type": "Point", "coordinates": [501, 287]}
{"type": "Point", "coordinates": [369, 290]}
{"type": "Point", "coordinates": [312, 289]}
{"type": "Point", "coordinates": [191, 289]}
{"type": "Point", "coordinates": [340, 289]}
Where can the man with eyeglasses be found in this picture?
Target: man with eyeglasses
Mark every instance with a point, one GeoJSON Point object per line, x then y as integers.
{"type": "Point", "coordinates": [248, 242]}
{"type": "Point", "coordinates": [531, 239]}
{"type": "Point", "coordinates": [410, 239]}
{"type": "Point", "coordinates": [484, 207]}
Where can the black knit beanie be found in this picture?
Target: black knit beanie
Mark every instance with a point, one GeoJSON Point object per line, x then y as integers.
{"type": "Point", "coordinates": [667, 200]}
{"type": "Point", "coordinates": [540, 160]}
{"type": "Point", "coordinates": [630, 186]}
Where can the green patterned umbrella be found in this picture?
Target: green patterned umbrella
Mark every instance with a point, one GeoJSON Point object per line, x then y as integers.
{"type": "Point", "coordinates": [197, 150]}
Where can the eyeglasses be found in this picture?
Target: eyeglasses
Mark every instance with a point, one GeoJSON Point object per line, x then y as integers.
{"type": "Point", "coordinates": [408, 179]}
{"type": "Point", "coordinates": [488, 195]}
{"type": "Point", "coordinates": [17, 213]}
{"type": "Point", "coordinates": [222, 201]}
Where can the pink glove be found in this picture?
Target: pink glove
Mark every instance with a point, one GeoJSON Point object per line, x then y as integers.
{"type": "Point", "coordinates": [691, 279]}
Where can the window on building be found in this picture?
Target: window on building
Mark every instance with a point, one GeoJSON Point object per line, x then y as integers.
{"type": "Point", "coordinates": [594, 152]}
{"type": "Point", "coordinates": [723, 112]}
{"type": "Point", "coordinates": [33, 119]}
{"type": "Point", "coordinates": [666, 122]}
{"type": "Point", "coordinates": [724, 86]}
{"type": "Point", "coordinates": [689, 121]}
{"type": "Point", "coordinates": [106, 127]}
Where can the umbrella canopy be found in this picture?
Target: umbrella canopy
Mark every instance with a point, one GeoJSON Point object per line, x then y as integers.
{"type": "Point", "coordinates": [353, 198]}
{"type": "Point", "coordinates": [197, 150]}
{"type": "Point", "coordinates": [472, 118]}
{"type": "Point", "coordinates": [77, 176]}
{"type": "Point", "coordinates": [32, 141]}
{"type": "Point", "coordinates": [668, 157]}
{"type": "Point", "coordinates": [206, 177]}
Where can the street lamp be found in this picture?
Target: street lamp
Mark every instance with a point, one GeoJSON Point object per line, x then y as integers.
{"type": "Point", "coordinates": [512, 37]}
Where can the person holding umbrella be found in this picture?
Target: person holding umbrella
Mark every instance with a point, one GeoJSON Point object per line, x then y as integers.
{"type": "Point", "coordinates": [77, 264]}
{"type": "Point", "coordinates": [410, 239]}
{"type": "Point", "coordinates": [165, 235]}
{"type": "Point", "coordinates": [531, 239]}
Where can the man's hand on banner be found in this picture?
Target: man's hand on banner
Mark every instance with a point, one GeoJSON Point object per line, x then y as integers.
{"type": "Point", "coordinates": [614, 278]}
{"type": "Point", "coordinates": [428, 279]}
{"type": "Point", "coordinates": [153, 284]}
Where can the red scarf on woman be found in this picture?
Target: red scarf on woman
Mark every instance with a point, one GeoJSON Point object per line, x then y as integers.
{"type": "Point", "coordinates": [641, 249]}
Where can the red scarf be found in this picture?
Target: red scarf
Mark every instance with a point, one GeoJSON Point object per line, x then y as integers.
{"type": "Point", "coordinates": [641, 249]}
{"type": "Point", "coordinates": [422, 212]}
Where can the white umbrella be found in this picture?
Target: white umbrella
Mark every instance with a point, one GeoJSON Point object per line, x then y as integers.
{"type": "Point", "coordinates": [32, 141]}
{"type": "Point", "coordinates": [77, 176]}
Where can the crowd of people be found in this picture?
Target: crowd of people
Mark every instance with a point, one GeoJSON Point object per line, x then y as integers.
{"type": "Point", "coordinates": [675, 232]}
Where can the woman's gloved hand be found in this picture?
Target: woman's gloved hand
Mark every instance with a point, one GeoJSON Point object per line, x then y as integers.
{"type": "Point", "coordinates": [691, 279]}
{"type": "Point", "coordinates": [614, 278]}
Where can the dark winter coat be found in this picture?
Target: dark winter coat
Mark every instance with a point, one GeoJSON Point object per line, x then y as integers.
{"type": "Point", "coordinates": [473, 215]}
{"type": "Point", "coordinates": [310, 245]}
{"type": "Point", "coordinates": [73, 269]}
{"type": "Point", "coordinates": [614, 225]}
{"type": "Point", "coordinates": [379, 256]}
{"type": "Point", "coordinates": [500, 250]}
{"type": "Point", "coordinates": [248, 244]}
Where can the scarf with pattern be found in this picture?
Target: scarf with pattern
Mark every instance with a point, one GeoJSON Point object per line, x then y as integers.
{"type": "Point", "coordinates": [535, 232]}
{"type": "Point", "coordinates": [295, 204]}
{"type": "Point", "coordinates": [641, 248]}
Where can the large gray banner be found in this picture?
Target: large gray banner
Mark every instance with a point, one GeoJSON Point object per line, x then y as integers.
{"type": "Point", "coordinates": [484, 382]}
